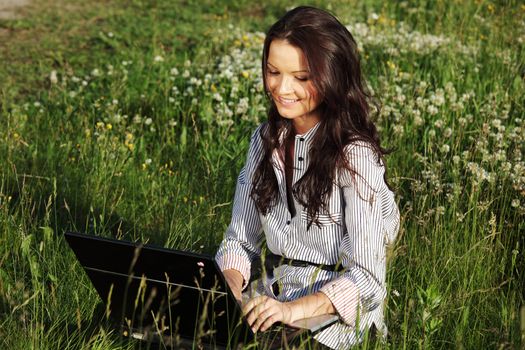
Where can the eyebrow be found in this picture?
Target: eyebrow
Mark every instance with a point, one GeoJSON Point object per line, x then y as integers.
{"type": "Point", "coordinates": [297, 71]}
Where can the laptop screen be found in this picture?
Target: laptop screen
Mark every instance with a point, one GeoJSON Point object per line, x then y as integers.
{"type": "Point", "coordinates": [163, 291]}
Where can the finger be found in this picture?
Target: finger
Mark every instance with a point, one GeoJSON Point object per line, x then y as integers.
{"type": "Point", "coordinates": [261, 318]}
{"type": "Point", "coordinates": [269, 322]}
{"type": "Point", "coordinates": [253, 303]}
{"type": "Point", "coordinates": [253, 312]}
{"type": "Point", "coordinates": [271, 313]}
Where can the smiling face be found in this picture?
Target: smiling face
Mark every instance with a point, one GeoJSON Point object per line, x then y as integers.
{"type": "Point", "coordinates": [289, 83]}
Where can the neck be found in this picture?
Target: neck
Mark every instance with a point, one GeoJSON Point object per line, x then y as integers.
{"type": "Point", "coordinates": [302, 124]}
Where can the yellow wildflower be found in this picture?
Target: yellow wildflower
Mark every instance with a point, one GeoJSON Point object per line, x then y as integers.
{"type": "Point", "coordinates": [391, 65]}
{"type": "Point", "coordinates": [109, 126]}
{"type": "Point", "coordinates": [245, 74]}
{"type": "Point", "coordinates": [490, 8]}
{"type": "Point", "coordinates": [213, 88]}
{"type": "Point", "coordinates": [130, 146]}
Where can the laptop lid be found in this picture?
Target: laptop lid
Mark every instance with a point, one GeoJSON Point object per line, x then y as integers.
{"type": "Point", "coordinates": [163, 291]}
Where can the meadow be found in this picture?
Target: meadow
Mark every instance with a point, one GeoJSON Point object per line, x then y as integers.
{"type": "Point", "coordinates": [131, 119]}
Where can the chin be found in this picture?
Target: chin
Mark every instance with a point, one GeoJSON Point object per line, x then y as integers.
{"type": "Point", "coordinates": [288, 114]}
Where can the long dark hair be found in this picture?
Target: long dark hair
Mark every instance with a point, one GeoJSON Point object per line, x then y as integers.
{"type": "Point", "coordinates": [333, 61]}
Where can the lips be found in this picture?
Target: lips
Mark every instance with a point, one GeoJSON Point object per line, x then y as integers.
{"type": "Point", "coordinates": [287, 101]}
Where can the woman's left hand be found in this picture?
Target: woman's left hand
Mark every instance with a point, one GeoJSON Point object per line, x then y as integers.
{"type": "Point", "coordinates": [261, 312]}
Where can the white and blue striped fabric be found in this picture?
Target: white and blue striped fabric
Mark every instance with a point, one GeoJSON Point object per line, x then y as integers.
{"type": "Point", "coordinates": [362, 219]}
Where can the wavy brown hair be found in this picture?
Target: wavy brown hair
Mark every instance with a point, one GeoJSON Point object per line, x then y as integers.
{"type": "Point", "coordinates": [333, 61]}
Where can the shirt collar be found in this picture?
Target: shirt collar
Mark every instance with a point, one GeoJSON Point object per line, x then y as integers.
{"type": "Point", "coordinates": [309, 135]}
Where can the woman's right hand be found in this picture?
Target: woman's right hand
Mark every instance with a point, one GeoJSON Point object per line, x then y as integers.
{"type": "Point", "coordinates": [235, 280]}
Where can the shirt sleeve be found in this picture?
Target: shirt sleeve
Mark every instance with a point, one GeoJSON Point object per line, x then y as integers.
{"type": "Point", "coordinates": [372, 222]}
{"type": "Point", "coordinates": [243, 237]}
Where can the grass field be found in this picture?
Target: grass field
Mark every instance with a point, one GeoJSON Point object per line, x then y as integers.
{"type": "Point", "coordinates": [132, 119]}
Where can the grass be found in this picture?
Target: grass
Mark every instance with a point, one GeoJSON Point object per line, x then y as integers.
{"type": "Point", "coordinates": [111, 148]}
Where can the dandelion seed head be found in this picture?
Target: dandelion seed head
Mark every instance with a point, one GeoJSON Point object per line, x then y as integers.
{"type": "Point", "coordinates": [53, 79]}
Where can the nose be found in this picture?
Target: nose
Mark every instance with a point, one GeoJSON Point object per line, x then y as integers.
{"type": "Point", "coordinates": [285, 86]}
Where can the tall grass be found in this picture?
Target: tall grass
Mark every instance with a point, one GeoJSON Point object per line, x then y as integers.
{"type": "Point", "coordinates": [136, 123]}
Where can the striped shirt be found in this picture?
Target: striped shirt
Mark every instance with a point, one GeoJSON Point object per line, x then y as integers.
{"type": "Point", "coordinates": [362, 219]}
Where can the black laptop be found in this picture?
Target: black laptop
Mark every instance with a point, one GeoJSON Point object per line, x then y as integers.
{"type": "Point", "coordinates": [174, 297]}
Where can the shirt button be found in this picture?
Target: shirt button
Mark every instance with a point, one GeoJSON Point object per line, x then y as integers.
{"type": "Point", "coordinates": [300, 159]}
{"type": "Point", "coordinates": [288, 222]}
{"type": "Point", "coordinates": [301, 139]}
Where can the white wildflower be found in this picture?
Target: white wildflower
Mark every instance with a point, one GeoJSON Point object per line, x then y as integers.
{"type": "Point", "coordinates": [148, 121]}
{"type": "Point", "coordinates": [418, 121]}
{"type": "Point", "coordinates": [432, 110]}
{"type": "Point", "coordinates": [398, 129]}
{"type": "Point", "coordinates": [242, 106]}
{"type": "Point", "coordinates": [217, 97]}
{"type": "Point", "coordinates": [53, 77]}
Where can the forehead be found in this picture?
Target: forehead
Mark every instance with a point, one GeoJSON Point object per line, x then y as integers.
{"type": "Point", "coordinates": [284, 56]}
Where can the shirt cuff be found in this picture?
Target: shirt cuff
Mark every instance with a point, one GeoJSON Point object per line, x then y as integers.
{"type": "Point", "coordinates": [344, 295]}
{"type": "Point", "coordinates": [236, 262]}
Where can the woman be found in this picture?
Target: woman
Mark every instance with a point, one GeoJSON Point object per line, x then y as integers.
{"type": "Point", "coordinates": [313, 188]}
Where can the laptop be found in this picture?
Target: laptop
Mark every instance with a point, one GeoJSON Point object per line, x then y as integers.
{"type": "Point", "coordinates": [175, 297]}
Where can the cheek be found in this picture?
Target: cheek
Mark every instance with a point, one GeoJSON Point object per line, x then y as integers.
{"type": "Point", "coordinates": [308, 93]}
{"type": "Point", "coordinates": [271, 83]}
{"type": "Point", "coordinates": [313, 96]}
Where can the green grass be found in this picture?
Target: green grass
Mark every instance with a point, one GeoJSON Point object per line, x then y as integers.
{"type": "Point", "coordinates": [112, 149]}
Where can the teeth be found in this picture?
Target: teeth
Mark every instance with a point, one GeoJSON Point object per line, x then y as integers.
{"type": "Point", "coordinates": [285, 100]}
